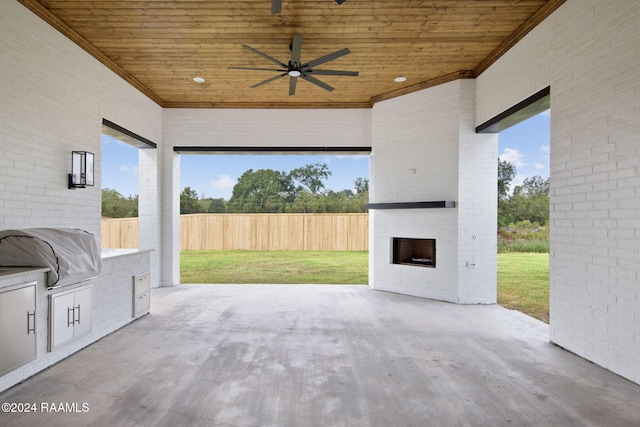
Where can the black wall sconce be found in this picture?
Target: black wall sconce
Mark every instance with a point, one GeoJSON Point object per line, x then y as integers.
{"type": "Point", "coordinates": [81, 175]}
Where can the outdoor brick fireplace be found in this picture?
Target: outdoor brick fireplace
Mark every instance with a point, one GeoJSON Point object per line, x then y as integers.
{"type": "Point", "coordinates": [418, 252]}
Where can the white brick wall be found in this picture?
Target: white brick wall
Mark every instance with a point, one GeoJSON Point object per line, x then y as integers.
{"type": "Point", "coordinates": [268, 128]}
{"type": "Point", "coordinates": [587, 51]}
{"type": "Point", "coordinates": [53, 97]}
{"type": "Point", "coordinates": [432, 132]}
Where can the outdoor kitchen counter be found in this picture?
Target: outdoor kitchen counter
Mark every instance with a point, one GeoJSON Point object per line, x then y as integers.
{"type": "Point", "coordinates": [15, 275]}
{"type": "Point", "coordinates": [112, 303]}
{"type": "Point", "coordinates": [110, 253]}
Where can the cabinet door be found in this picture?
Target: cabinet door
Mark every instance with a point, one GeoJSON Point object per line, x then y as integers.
{"type": "Point", "coordinates": [142, 284]}
{"type": "Point", "coordinates": [83, 312]}
{"type": "Point", "coordinates": [17, 328]}
{"type": "Point", "coordinates": [141, 294]}
{"type": "Point", "coordinates": [141, 304]}
{"type": "Point", "coordinates": [62, 319]}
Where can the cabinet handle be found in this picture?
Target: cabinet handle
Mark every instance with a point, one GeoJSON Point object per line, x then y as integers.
{"type": "Point", "coordinates": [29, 328]}
{"type": "Point", "coordinates": [77, 321]}
{"type": "Point", "coordinates": [73, 316]}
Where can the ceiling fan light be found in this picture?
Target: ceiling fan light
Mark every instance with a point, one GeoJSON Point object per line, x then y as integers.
{"type": "Point", "coordinates": [294, 73]}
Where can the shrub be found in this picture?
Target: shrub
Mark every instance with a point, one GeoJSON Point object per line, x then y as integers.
{"type": "Point", "coordinates": [524, 236]}
{"type": "Point", "coordinates": [524, 245]}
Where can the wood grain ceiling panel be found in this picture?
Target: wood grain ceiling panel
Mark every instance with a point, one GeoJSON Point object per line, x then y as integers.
{"type": "Point", "coordinates": [159, 46]}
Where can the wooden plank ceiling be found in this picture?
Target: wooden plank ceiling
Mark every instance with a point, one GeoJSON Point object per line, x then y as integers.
{"type": "Point", "coordinates": [160, 46]}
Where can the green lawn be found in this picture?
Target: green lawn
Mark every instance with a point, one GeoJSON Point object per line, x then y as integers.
{"type": "Point", "coordinates": [523, 283]}
{"type": "Point", "coordinates": [523, 278]}
{"type": "Point", "coordinates": [288, 267]}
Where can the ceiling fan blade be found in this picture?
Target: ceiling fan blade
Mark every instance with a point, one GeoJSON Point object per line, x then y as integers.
{"type": "Point", "coordinates": [254, 69]}
{"type": "Point", "coordinates": [296, 48]}
{"type": "Point", "coordinates": [265, 56]}
{"type": "Point", "coordinates": [317, 82]}
{"type": "Point", "coordinates": [292, 85]}
{"type": "Point", "coordinates": [332, 73]}
{"type": "Point", "coordinates": [327, 58]}
{"type": "Point", "coordinates": [276, 6]}
{"type": "Point", "coordinates": [269, 80]}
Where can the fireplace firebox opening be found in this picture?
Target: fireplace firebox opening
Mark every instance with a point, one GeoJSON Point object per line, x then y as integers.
{"type": "Point", "coordinates": [419, 252]}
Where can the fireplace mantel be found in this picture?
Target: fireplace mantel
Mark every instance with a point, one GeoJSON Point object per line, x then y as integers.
{"type": "Point", "coordinates": [412, 205]}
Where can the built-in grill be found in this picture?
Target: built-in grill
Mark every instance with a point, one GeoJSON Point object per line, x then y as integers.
{"type": "Point", "coordinates": [71, 254]}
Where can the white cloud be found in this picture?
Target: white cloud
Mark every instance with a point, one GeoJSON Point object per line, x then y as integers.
{"type": "Point", "coordinates": [540, 166]}
{"type": "Point", "coordinates": [223, 181]}
{"type": "Point", "coordinates": [545, 149]}
{"type": "Point", "coordinates": [516, 181]}
{"type": "Point", "coordinates": [512, 156]}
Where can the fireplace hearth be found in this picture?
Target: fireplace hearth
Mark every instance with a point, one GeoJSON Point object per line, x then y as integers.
{"type": "Point", "coordinates": [418, 252]}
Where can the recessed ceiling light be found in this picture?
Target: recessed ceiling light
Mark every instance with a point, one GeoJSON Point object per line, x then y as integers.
{"type": "Point", "coordinates": [198, 79]}
{"type": "Point", "coordinates": [400, 79]}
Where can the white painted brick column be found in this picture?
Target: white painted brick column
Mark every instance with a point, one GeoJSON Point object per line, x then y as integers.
{"type": "Point", "coordinates": [169, 217]}
{"type": "Point", "coordinates": [149, 210]}
{"type": "Point", "coordinates": [477, 206]}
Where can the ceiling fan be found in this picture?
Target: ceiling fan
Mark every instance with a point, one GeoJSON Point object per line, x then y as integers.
{"type": "Point", "coordinates": [276, 5]}
{"type": "Point", "coordinates": [295, 68]}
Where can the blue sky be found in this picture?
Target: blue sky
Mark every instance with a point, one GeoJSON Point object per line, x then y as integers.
{"type": "Point", "coordinates": [525, 145]}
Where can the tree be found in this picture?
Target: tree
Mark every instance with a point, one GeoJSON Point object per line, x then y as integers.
{"type": "Point", "coordinates": [506, 173]}
{"type": "Point", "coordinates": [362, 185]}
{"type": "Point", "coordinates": [529, 202]}
{"type": "Point", "coordinates": [301, 190]}
{"type": "Point", "coordinates": [210, 205]}
{"type": "Point", "coordinates": [533, 187]}
{"type": "Point", "coordinates": [115, 205]}
{"type": "Point", "coordinates": [264, 190]}
{"type": "Point", "coordinates": [310, 177]}
{"type": "Point", "coordinates": [189, 201]}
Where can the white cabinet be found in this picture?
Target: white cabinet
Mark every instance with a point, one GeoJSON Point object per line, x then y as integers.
{"type": "Point", "coordinates": [141, 294]}
{"type": "Point", "coordinates": [70, 315]}
{"type": "Point", "coordinates": [17, 326]}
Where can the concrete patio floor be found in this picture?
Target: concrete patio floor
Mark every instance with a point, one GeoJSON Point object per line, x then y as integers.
{"type": "Point", "coordinates": [309, 355]}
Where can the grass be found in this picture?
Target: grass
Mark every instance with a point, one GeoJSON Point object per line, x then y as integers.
{"type": "Point", "coordinates": [523, 278]}
{"type": "Point", "coordinates": [285, 267]}
{"type": "Point", "coordinates": [523, 283]}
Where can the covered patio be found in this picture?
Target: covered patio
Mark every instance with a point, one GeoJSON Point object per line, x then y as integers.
{"type": "Point", "coordinates": [342, 355]}
{"type": "Point", "coordinates": [309, 355]}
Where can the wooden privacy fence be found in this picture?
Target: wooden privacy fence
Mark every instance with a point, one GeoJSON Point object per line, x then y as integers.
{"type": "Point", "coordinates": [255, 232]}
{"type": "Point", "coordinates": [119, 233]}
